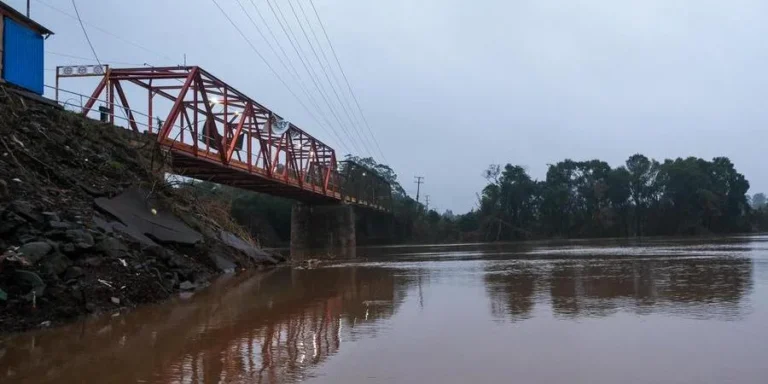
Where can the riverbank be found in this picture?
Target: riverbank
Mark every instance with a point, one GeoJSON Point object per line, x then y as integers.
{"type": "Point", "coordinates": [89, 224]}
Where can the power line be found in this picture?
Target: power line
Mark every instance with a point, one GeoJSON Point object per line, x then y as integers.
{"type": "Point", "coordinates": [102, 30]}
{"type": "Point", "coordinates": [85, 32]}
{"type": "Point", "coordinates": [327, 62]}
{"type": "Point", "coordinates": [310, 70]}
{"type": "Point", "coordinates": [356, 121]}
{"type": "Point", "coordinates": [89, 58]}
{"type": "Point", "coordinates": [293, 72]}
{"type": "Point", "coordinates": [357, 103]}
{"type": "Point", "coordinates": [303, 88]}
{"type": "Point", "coordinates": [298, 77]}
{"type": "Point", "coordinates": [293, 45]}
{"type": "Point", "coordinates": [265, 61]}
{"type": "Point", "coordinates": [328, 78]}
{"type": "Point", "coordinates": [285, 54]}
{"type": "Point", "coordinates": [312, 74]}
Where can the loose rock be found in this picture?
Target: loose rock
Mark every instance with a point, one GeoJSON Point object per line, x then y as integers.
{"type": "Point", "coordinates": [11, 222]}
{"type": "Point", "coordinates": [35, 251]}
{"type": "Point", "coordinates": [55, 264]}
{"type": "Point", "coordinates": [30, 280]}
{"type": "Point", "coordinates": [187, 286]}
{"type": "Point", "coordinates": [68, 249]}
{"type": "Point", "coordinates": [60, 225]}
{"type": "Point", "coordinates": [80, 238]}
{"type": "Point", "coordinates": [73, 273]}
{"type": "Point", "coordinates": [51, 216]}
{"type": "Point", "coordinates": [91, 262]}
{"type": "Point", "coordinates": [26, 210]}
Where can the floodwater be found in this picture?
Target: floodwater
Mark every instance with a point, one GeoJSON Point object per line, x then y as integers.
{"type": "Point", "coordinates": [656, 311]}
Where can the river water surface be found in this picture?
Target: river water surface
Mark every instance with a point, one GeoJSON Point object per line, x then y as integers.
{"type": "Point", "coordinates": [652, 311]}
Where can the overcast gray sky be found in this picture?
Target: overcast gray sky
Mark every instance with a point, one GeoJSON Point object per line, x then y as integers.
{"type": "Point", "coordinates": [451, 86]}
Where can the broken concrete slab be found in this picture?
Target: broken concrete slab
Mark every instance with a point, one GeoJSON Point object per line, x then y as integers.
{"type": "Point", "coordinates": [133, 233]}
{"type": "Point", "coordinates": [222, 261]}
{"type": "Point", "coordinates": [146, 219]}
{"type": "Point", "coordinates": [112, 247]}
{"type": "Point", "coordinates": [254, 253]}
{"type": "Point", "coordinates": [102, 224]}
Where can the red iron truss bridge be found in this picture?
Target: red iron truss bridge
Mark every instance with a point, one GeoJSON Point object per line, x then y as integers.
{"type": "Point", "coordinates": [213, 132]}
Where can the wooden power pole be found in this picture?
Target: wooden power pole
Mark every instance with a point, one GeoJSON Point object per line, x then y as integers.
{"type": "Point", "coordinates": [419, 182]}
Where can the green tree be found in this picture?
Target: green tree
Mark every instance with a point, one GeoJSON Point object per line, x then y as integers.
{"type": "Point", "coordinates": [509, 202]}
{"type": "Point", "coordinates": [383, 170]}
{"type": "Point", "coordinates": [642, 187]}
{"type": "Point", "coordinates": [619, 194]}
{"type": "Point", "coordinates": [591, 199]}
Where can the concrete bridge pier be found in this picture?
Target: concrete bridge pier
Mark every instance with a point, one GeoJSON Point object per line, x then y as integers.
{"type": "Point", "coordinates": [322, 232]}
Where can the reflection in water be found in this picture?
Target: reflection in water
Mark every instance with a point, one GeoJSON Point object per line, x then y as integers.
{"type": "Point", "coordinates": [698, 288]}
{"type": "Point", "coordinates": [562, 312]}
{"type": "Point", "coordinates": [511, 292]}
{"type": "Point", "coordinates": [259, 329]}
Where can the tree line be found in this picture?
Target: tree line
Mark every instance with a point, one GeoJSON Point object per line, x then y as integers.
{"type": "Point", "coordinates": [576, 199]}
{"type": "Point", "coordinates": [643, 197]}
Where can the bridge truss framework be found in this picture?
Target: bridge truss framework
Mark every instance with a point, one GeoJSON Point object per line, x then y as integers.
{"type": "Point", "coordinates": [213, 132]}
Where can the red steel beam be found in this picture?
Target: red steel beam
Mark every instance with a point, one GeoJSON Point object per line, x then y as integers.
{"type": "Point", "coordinates": [201, 102]}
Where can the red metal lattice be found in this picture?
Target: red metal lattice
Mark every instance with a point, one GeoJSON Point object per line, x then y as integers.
{"type": "Point", "coordinates": [214, 132]}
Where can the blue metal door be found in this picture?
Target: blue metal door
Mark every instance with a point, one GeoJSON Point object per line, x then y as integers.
{"type": "Point", "coordinates": [22, 56]}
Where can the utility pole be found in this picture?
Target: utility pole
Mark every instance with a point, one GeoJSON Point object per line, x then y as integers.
{"type": "Point", "coordinates": [28, 7]}
{"type": "Point", "coordinates": [427, 197]}
{"type": "Point", "coordinates": [419, 181]}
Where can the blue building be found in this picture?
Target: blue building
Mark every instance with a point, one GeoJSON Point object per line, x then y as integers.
{"type": "Point", "coordinates": [22, 53]}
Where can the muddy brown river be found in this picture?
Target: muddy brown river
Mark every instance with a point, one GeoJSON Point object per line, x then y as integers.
{"type": "Point", "coordinates": [651, 311]}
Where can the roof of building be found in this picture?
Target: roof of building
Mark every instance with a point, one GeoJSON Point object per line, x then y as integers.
{"type": "Point", "coordinates": [12, 13]}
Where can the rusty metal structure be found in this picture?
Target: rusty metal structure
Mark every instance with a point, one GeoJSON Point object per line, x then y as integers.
{"type": "Point", "coordinates": [213, 132]}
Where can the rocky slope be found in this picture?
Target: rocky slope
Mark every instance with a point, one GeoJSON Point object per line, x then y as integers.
{"type": "Point", "coordinates": [88, 223]}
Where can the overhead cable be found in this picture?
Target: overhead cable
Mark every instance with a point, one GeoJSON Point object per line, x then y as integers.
{"type": "Point", "coordinates": [256, 51]}
{"type": "Point", "coordinates": [346, 80]}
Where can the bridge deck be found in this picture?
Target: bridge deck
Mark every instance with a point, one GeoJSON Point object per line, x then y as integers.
{"type": "Point", "coordinates": [237, 174]}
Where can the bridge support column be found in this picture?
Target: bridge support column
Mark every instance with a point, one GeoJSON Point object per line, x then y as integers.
{"type": "Point", "coordinates": [322, 232]}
